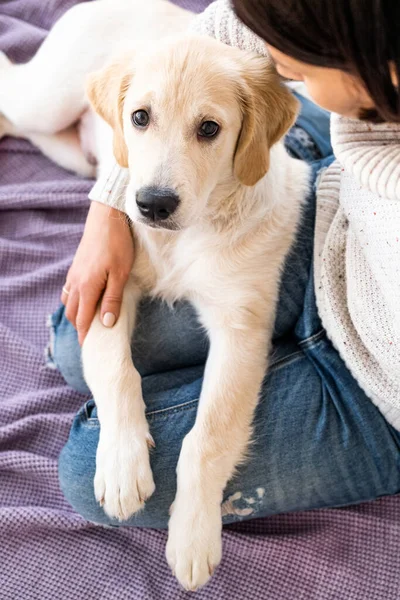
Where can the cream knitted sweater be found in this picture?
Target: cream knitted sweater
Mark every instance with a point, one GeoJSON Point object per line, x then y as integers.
{"type": "Point", "coordinates": [357, 236]}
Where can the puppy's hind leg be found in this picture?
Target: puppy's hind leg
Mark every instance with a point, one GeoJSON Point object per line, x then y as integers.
{"type": "Point", "coordinates": [63, 148]}
{"type": "Point", "coordinates": [46, 95]}
{"type": "Point", "coordinates": [34, 100]}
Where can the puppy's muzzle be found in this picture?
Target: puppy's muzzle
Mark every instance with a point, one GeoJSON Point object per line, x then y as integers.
{"type": "Point", "coordinates": [156, 204]}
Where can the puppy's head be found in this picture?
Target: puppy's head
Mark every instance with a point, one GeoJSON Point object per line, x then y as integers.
{"type": "Point", "coordinates": [188, 116]}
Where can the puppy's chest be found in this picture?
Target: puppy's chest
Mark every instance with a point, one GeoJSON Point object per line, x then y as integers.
{"type": "Point", "coordinates": [174, 271]}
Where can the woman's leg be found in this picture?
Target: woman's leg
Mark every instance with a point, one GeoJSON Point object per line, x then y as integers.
{"type": "Point", "coordinates": [318, 441]}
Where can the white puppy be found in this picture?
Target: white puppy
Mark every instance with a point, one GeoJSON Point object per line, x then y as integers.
{"type": "Point", "coordinates": [215, 201]}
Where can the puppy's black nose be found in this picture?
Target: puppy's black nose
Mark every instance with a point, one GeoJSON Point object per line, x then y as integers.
{"type": "Point", "coordinates": [156, 204]}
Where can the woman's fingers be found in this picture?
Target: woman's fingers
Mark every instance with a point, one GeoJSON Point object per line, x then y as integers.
{"type": "Point", "coordinates": [112, 299]}
{"type": "Point", "coordinates": [81, 301]}
{"type": "Point", "coordinates": [88, 300]}
{"type": "Point", "coordinates": [72, 305]}
{"type": "Point", "coordinates": [65, 293]}
{"type": "Point", "coordinates": [102, 263]}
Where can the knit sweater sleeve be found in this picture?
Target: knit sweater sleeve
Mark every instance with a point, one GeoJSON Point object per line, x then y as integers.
{"type": "Point", "coordinates": [220, 22]}
{"type": "Point", "coordinates": [110, 187]}
{"type": "Point", "coordinates": [357, 256]}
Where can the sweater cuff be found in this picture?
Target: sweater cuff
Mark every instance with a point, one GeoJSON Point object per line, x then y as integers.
{"type": "Point", "coordinates": [110, 188]}
{"type": "Point", "coordinates": [220, 22]}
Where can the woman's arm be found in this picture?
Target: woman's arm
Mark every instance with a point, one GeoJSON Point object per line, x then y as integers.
{"type": "Point", "coordinates": [100, 268]}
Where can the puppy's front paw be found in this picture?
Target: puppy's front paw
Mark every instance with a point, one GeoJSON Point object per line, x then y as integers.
{"type": "Point", "coordinates": [123, 480]}
{"type": "Point", "coordinates": [194, 546]}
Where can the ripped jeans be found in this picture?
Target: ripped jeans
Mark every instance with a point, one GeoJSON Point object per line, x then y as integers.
{"type": "Point", "coordinates": [318, 440]}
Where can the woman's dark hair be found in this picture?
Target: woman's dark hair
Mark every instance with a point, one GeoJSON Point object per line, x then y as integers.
{"type": "Point", "coordinates": [358, 36]}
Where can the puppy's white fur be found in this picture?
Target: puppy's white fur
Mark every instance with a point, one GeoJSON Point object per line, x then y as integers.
{"type": "Point", "coordinates": [223, 249]}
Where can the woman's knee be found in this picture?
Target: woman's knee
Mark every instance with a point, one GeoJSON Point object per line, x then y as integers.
{"type": "Point", "coordinates": [318, 441]}
{"type": "Point", "coordinates": [77, 467]}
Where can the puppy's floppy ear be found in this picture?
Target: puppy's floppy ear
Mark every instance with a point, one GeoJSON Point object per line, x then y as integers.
{"type": "Point", "coordinates": [269, 110]}
{"type": "Point", "coordinates": [106, 90]}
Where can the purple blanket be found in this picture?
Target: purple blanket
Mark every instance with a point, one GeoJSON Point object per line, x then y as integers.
{"type": "Point", "coordinates": [47, 552]}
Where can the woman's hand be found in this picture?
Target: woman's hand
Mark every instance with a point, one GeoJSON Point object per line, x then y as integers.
{"type": "Point", "coordinates": [102, 263]}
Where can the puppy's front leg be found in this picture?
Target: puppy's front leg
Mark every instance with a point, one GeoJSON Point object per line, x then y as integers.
{"type": "Point", "coordinates": [217, 443]}
{"type": "Point", "coordinates": [123, 479]}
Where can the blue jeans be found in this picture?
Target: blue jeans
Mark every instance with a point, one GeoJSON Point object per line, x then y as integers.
{"type": "Point", "coordinates": [318, 440]}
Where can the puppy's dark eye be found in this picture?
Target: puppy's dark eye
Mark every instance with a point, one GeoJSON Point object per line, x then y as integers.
{"type": "Point", "coordinates": [208, 129]}
{"type": "Point", "coordinates": [140, 118]}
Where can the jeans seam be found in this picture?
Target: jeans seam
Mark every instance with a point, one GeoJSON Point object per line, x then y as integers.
{"type": "Point", "coordinates": [281, 362]}
{"type": "Point", "coordinates": [313, 340]}
{"type": "Point", "coordinates": [177, 408]}
{"type": "Point", "coordinates": [94, 421]}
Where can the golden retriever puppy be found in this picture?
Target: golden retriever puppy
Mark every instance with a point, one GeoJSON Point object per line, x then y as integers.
{"type": "Point", "coordinates": [215, 201]}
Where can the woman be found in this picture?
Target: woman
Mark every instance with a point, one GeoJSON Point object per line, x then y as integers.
{"type": "Point", "coordinates": [327, 426]}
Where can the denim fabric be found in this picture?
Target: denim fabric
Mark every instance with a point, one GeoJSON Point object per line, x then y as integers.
{"type": "Point", "coordinates": [318, 440]}
{"type": "Point", "coordinates": [316, 122]}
